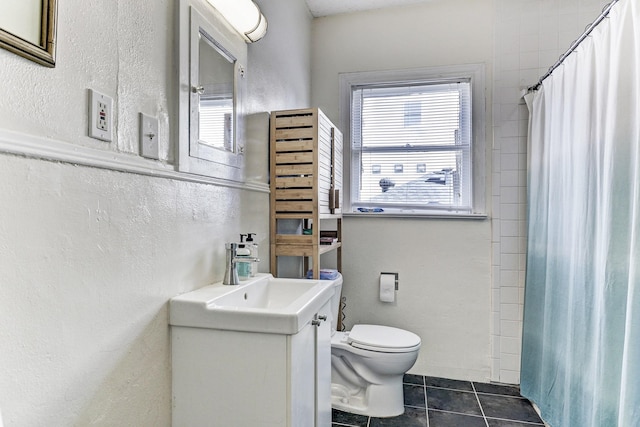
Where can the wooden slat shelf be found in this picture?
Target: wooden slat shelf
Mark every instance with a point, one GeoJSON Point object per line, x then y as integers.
{"type": "Point", "coordinates": [306, 183]}
{"type": "Point", "coordinates": [328, 248]}
{"type": "Point", "coordinates": [304, 250]}
{"type": "Point", "coordinates": [290, 215]}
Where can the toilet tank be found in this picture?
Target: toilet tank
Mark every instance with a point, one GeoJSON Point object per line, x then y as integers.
{"type": "Point", "coordinates": [335, 303]}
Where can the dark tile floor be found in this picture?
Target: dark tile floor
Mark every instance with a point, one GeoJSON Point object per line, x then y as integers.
{"type": "Point", "coordinates": [439, 402]}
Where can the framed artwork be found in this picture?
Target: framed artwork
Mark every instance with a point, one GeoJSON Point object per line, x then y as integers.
{"type": "Point", "coordinates": [28, 29]}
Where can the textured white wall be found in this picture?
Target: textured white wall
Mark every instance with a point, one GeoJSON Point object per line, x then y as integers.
{"type": "Point", "coordinates": [444, 265]}
{"type": "Point", "coordinates": [89, 257]}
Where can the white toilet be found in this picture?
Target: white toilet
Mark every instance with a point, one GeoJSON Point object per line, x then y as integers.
{"type": "Point", "coordinates": [368, 364]}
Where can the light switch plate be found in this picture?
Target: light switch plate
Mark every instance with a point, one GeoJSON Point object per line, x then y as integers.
{"type": "Point", "coordinates": [100, 116]}
{"type": "Point", "coordinates": [149, 137]}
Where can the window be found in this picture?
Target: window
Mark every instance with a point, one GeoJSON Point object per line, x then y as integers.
{"type": "Point", "coordinates": [413, 143]}
{"type": "Point", "coordinates": [412, 112]}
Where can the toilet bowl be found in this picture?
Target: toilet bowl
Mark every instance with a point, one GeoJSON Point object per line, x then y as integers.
{"type": "Point", "coordinates": [368, 364]}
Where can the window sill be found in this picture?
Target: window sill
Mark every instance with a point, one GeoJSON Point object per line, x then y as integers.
{"type": "Point", "coordinates": [424, 215]}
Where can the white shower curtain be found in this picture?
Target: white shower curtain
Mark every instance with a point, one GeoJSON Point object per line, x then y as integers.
{"type": "Point", "coordinates": [581, 338]}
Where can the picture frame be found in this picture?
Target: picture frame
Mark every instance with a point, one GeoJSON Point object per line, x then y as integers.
{"type": "Point", "coordinates": [28, 29]}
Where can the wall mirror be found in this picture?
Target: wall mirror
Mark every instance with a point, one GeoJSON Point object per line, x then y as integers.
{"type": "Point", "coordinates": [214, 95]}
{"type": "Point", "coordinates": [28, 28]}
{"type": "Point", "coordinates": [212, 80]}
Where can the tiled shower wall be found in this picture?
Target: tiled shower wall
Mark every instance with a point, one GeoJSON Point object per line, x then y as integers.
{"type": "Point", "coordinates": [530, 35]}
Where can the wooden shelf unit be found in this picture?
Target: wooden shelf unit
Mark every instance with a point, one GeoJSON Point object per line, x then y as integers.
{"type": "Point", "coordinates": [306, 183]}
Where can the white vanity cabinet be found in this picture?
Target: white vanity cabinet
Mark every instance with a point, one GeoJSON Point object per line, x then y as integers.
{"type": "Point", "coordinates": [311, 372]}
{"type": "Point", "coordinates": [323, 366]}
{"type": "Point", "coordinates": [236, 378]}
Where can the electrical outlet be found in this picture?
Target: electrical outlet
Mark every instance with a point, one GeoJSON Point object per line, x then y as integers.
{"type": "Point", "coordinates": [149, 137]}
{"type": "Point", "coordinates": [100, 116]}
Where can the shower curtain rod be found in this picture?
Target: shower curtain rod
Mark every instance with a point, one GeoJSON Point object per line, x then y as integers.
{"type": "Point", "coordinates": [575, 44]}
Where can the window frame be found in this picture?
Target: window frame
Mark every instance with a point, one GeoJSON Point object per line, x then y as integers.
{"type": "Point", "coordinates": [475, 73]}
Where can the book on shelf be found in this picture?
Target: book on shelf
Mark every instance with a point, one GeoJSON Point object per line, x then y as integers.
{"type": "Point", "coordinates": [328, 240]}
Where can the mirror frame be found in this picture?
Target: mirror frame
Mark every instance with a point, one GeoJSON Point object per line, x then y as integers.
{"type": "Point", "coordinates": [224, 167]}
{"type": "Point", "coordinates": [200, 27]}
{"type": "Point", "coordinates": [43, 53]}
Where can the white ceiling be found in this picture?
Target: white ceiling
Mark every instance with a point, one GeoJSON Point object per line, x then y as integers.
{"type": "Point", "coordinates": [334, 7]}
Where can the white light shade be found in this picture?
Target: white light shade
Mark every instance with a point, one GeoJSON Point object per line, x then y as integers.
{"type": "Point", "coordinates": [244, 16]}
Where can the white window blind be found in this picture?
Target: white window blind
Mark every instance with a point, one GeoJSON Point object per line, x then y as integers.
{"type": "Point", "coordinates": [216, 123]}
{"type": "Point", "coordinates": [411, 146]}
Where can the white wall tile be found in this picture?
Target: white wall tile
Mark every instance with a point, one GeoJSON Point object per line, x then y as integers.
{"type": "Point", "coordinates": [495, 299]}
{"type": "Point", "coordinates": [509, 78]}
{"type": "Point", "coordinates": [509, 261]}
{"type": "Point", "coordinates": [510, 245]}
{"type": "Point", "coordinates": [495, 222]}
{"type": "Point", "coordinates": [495, 275]}
{"type": "Point", "coordinates": [509, 377]}
{"type": "Point", "coordinates": [509, 280]}
{"type": "Point", "coordinates": [522, 161]}
{"type": "Point", "coordinates": [510, 195]}
{"type": "Point", "coordinates": [496, 323]}
{"type": "Point", "coordinates": [529, 24]}
{"type": "Point", "coordinates": [510, 211]}
{"type": "Point", "coordinates": [510, 345]}
{"type": "Point", "coordinates": [510, 144]}
{"type": "Point", "coordinates": [548, 37]}
{"type": "Point", "coordinates": [509, 62]}
{"type": "Point", "coordinates": [529, 60]}
{"type": "Point", "coordinates": [496, 160]}
{"type": "Point", "coordinates": [509, 178]}
{"type": "Point", "coordinates": [531, 75]}
{"type": "Point", "coordinates": [522, 142]}
{"type": "Point", "coordinates": [509, 361]}
{"type": "Point", "coordinates": [523, 110]}
{"type": "Point", "coordinates": [522, 198]}
{"type": "Point", "coordinates": [496, 252]}
{"type": "Point", "coordinates": [530, 42]}
{"type": "Point", "coordinates": [509, 129]}
{"type": "Point", "coordinates": [495, 369]}
{"type": "Point", "coordinates": [549, 57]}
{"type": "Point", "coordinates": [509, 295]}
{"type": "Point", "coordinates": [495, 182]}
{"type": "Point", "coordinates": [510, 328]}
{"type": "Point", "coordinates": [509, 312]}
{"type": "Point", "coordinates": [509, 161]}
{"type": "Point", "coordinates": [509, 229]}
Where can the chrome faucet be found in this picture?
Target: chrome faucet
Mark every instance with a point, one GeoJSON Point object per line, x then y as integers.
{"type": "Point", "coordinates": [231, 272]}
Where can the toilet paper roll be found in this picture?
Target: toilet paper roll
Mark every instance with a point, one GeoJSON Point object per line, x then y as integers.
{"type": "Point", "coordinates": [387, 287]}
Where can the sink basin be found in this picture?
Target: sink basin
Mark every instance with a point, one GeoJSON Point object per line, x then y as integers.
{"type": "Point", "coordinates": [260, 304]}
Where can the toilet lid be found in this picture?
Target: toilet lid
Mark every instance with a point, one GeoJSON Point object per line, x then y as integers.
{"type": "Point", "coordinates": [383, 338]}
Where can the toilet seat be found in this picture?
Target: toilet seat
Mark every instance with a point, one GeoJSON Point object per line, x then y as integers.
{"type": "Point", "coordinates": [383, 339]}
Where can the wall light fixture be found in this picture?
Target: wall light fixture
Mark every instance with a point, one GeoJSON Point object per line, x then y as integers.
{"type": "Point", "coordinates": [244, 16]}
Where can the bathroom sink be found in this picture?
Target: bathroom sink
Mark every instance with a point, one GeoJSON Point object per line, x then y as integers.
{"type": "Point", "coordinates": [260, 304]}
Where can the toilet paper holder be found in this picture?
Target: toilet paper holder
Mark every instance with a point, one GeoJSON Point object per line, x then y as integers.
{"type": "Point", "coordinates": [395, 274]}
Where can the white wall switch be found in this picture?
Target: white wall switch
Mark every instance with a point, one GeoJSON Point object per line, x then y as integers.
{"type": "Point", "coordinates": [149, 137]}
{"type": "Point", "coordinates": [100, 116]}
